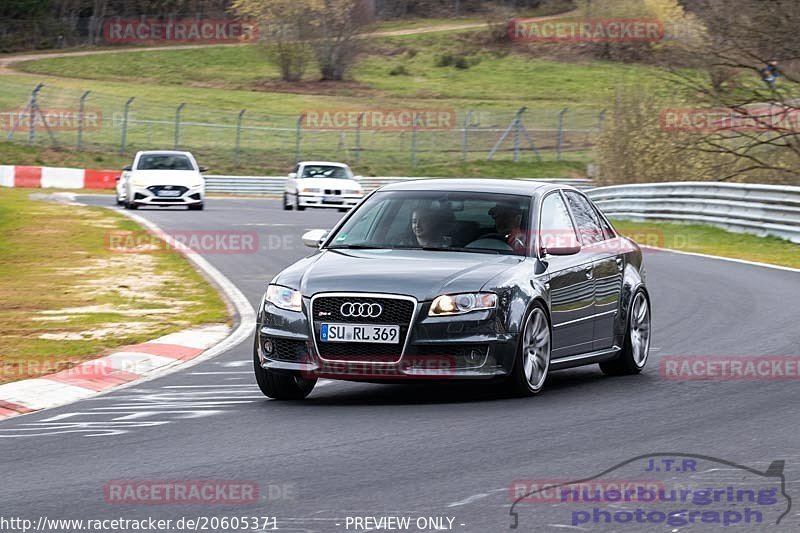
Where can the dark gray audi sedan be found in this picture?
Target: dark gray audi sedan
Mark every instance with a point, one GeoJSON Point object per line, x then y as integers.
{"type": "Point", "coordinates": [504, 280]}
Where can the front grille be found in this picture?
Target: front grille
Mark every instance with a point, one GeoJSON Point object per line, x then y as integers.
{"type": "Point", "coordinates": [327, 309]}
{"type": "Point", "coordinates": [156, 189]}
{"type": "Point", "coordinates": [286, 349]}
{"type": "Point", "coordinates": [333, 191]}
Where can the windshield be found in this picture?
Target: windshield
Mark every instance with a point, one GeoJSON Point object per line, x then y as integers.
{"type": "Point", "coordinates": [326, 171]}
{"type": "Point", "coordinates": [437, 220]}
{"type": "Point", "coordinates": [164, 162]}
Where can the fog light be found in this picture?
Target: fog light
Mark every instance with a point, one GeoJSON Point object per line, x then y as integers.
{"type": "Point", "coordinates": [473, 357]}
{"type": "Point", "coordinates": [268, 346]}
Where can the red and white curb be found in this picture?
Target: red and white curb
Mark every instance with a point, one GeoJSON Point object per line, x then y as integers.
{"type": "Point", "coordinates": [130, 364]}
{"type": "Point", "coordinates": [141, 362]}
{"type": "Point", "coordinates": [57, 177]}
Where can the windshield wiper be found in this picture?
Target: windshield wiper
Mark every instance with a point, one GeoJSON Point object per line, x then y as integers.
{"type": "Point", "coordinates": [357, 247]}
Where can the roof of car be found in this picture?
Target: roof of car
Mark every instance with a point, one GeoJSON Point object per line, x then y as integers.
{"type": "Point", "coordinates": [328, 163]}
{"type": "Point", "coordinates": [509, 186]}
{"type": "Point", "coordinates": [164, 152]}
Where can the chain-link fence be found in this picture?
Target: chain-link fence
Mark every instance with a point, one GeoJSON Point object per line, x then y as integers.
{"type": "Point", "coordinates": [92, 121]}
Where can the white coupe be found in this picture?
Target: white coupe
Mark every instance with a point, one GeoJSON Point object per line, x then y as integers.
{"type": "Point", "coordinates": [322, 184]}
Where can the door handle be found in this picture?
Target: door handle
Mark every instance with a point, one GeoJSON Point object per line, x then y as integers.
{"type": "Point", "coordinates": [589, 272]}
{"type": "Point", "coordinates": [619, 263]}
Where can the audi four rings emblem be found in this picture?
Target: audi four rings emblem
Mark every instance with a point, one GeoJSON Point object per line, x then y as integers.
{"type": "Point", "coordinates": [361, 310]}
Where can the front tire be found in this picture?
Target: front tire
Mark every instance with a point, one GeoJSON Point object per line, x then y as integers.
{"type": "Point", "coordinates": [286, 205]}
{"type": "Point", "coordinates": [636, 346]}
{"type": "Point", "coordinates": [297, 203]}
{"type": "Point", "coordinates": [281, 386]}
{"type": "Point", "coordinates": [197, 207]}
{"type": "Point", "coordinates": [131, 205]}
{"type": "Point", "coordinates": [532, 364]}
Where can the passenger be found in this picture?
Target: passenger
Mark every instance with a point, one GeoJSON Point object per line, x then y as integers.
{"type": "Point", "coordinates": [428, 226]}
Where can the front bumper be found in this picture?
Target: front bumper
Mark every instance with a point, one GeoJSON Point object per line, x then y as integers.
{"type": "Point", "coordinates": [149, 196]}
{"type": "Point", "coordinates": [335, 201]}
{"type": "Point", "coordinates": [472, 346]}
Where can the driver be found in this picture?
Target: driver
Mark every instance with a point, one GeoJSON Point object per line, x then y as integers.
{"type": "Point", "coordinates": [507, 219]}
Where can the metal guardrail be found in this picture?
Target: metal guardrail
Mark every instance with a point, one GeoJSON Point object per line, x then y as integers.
{"type": "Point", "coordinates": [757, 209]}
{"type": "Point", "coordinates": [275, 184]}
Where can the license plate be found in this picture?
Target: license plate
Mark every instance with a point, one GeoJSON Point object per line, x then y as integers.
{"type": "Point", "coordinates": [359, 333]}
{"type": "Point", "coordinates": [169, 193]}
{"type": "Point", "coordinates": [331, 200]}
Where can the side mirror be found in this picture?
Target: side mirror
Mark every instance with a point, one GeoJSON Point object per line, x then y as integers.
{"type": "Point", "coordinates": [116, 178]}
{"type": "Point", "coordinates": [127, 169]}
{"type": "Point", "coordinates": [314, 238]}
{"type": "Point", "coordinates": [292, 175]}
{"type": "Point", "coordinates": [559, 243]}
{"type": "Point", "coordinates": [201, 168]}
{"type": "Point", "coordinates": [566, 249]}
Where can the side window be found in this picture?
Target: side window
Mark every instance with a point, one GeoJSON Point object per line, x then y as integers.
{"type": "Point", "coordinates": [586, 218]}
{"type": "Point", "coordinates": [362, 229]}
{"type": "Point", "coordinates": [608, 231]}
{"type": "Point", "coordinates": [555, 226]}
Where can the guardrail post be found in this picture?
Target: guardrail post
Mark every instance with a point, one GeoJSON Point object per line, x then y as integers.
{"type": "Point", "coordinates": [414, 141]}
{"type": "Point", "coordinates": [298, 132]}
{"type": "Point", "coordinates": [81, 108]}
{"type": "Point", "coordinates": [237, 149]}
{"type": "Point", "coordinates": [465, 140]}
{"type": "Point", "coordinates": [125, 124]}
{"type": "Point", "coordinates": [560, 132]}
{"type": "Point", "coordinates": [358, 138]}
{"type": "Point", "coordinates": [178, 124]}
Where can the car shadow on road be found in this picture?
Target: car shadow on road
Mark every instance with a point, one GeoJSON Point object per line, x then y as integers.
{"type": "Point", "coordinates": [567, 382]}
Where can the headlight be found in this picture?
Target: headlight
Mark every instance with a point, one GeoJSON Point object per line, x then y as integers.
{"type": "Point", "coordinates": [458, 304]}
{"type": "Point", "coordinates": [306, 189]}
{"type": "Point", "coordinates": [354, 191]}
{"type": "Point", "coordinates": [284, 297]}
{"type": "Point", "coordinates": [138, 183]}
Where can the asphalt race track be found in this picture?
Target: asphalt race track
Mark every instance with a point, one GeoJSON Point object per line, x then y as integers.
{"type": "Point", "coordinates": [355, 449]}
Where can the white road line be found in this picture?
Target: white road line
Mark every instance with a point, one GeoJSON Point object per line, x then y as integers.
{"type": "Point", "coordinates": [729, 259]}
{"type": "Point", "coordinates": [221, 373]}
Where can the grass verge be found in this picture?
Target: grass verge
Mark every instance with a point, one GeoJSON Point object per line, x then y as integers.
{"type": "Point", "coordinates": [67, 297]}
{"type": "Point", "coordinates": [712, 241]}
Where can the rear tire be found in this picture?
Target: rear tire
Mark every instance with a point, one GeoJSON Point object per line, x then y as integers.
{"type": "Point", "coordinates": [636, 346]}
{"type": "Point", "coordinates": [532, 364]}
{"type": "Point", "coordinates": [281, 386]}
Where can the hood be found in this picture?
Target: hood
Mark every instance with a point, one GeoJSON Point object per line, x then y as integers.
{"type": "Point", "coordinates": [329, 183]}
{"type": "Point", "coordinates": [186, 178]}
{"type": "Point", "coordinates": [418, 273]}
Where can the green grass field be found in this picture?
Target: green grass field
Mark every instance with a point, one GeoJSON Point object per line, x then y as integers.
{"type": "Point", "coordinates": [87, 297]}
{"type": "Point", "coordinates": [712, 241]}
{"type": "Point", "coordinates": [216, 82]}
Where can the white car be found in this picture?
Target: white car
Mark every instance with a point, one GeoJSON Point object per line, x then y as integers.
{"type": "Point", "coordinates": [321, 184]}
{"type": "Point", "coordinates": [162, 178]}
